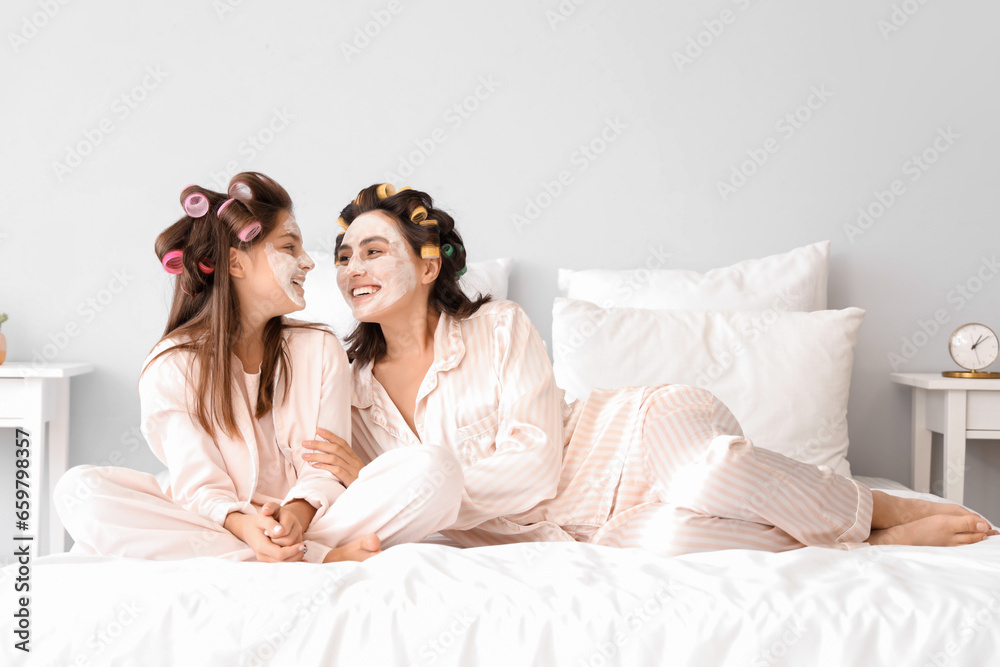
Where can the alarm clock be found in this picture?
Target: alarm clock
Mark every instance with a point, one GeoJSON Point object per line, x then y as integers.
{"type": "Point", "coordinates": [973, 346]}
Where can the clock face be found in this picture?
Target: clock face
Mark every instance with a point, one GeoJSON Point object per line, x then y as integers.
{"type": "Point", "coordinates": [973, 346]}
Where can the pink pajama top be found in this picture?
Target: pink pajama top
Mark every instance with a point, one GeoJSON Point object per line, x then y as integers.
{"type": "Point", "coordinates": [214, 477]}
{"type": "Point", "coordinates": [276, 472]}
{"type": "Point", "coordinates": [536, 469]}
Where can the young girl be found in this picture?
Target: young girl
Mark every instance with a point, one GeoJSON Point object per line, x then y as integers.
{"type": "Point", "coordinates": [229, 395]}
{"type": "Point", "coordinates": [663, 468]}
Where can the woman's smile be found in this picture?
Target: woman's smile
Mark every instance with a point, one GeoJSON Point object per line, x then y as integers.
{"type": "Point", "coordinates": [375, 269]}
{"type": "Point", "coordinates": [361, 291]}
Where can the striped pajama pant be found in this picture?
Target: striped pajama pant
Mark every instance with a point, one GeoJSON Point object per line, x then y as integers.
{"type": "Point", "coordinates": [696, 484]}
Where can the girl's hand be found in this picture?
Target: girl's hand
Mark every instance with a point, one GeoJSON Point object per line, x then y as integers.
{"type": "Point", "coordinates": [269, 552]}
{"type": "Point", "coordinates": [333, 454]}
{"type": "Point", "coordinates": [289, 529]}
{"type": "Point", "coordinates": [253, 529]}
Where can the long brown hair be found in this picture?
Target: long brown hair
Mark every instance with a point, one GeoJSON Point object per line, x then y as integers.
{"type": "Point", "coordinates": [205, 317]}
{"type": "Point", "coordinates": [367, 343]}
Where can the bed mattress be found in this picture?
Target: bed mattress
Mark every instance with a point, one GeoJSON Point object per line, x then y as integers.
{"type": "Point", "coordinates": [527, 604]}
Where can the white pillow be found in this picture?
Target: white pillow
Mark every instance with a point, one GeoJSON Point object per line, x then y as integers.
{"type": "Point", "coordinates": [794, 280]}
{"type": "Point", "coordinates": [325, 303]}
{"type": "Point", "coordinates": [785, 375]}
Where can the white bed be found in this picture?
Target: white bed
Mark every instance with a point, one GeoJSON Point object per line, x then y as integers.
{"type": "Point", "coordinates": [528, 604]}
{"type": "Point", "coordinates": [574, 604]}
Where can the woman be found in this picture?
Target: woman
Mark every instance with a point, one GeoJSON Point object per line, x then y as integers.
{"type": "Point", "coordinates": [662, 468]}
{"type": "Point", "coordinates": [228, 396]}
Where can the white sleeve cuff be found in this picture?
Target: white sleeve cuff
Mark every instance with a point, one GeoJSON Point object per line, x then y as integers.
{"type": "Point", "coordinates": [219, 511]}
{"type": "Point", "coordinates": [321, 494]}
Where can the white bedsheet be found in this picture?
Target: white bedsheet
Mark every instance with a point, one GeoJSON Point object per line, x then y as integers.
{"type": "Point", "coordinates": [531, 604]}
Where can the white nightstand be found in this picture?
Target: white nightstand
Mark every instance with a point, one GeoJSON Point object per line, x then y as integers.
{"type": "Point", "coordinates": [960, 409]}
{"type": "Point", "coordinates": [28, 399]}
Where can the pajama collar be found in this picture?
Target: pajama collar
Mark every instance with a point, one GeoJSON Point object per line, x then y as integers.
{"type": "Point", "coordinates": [449, 348]}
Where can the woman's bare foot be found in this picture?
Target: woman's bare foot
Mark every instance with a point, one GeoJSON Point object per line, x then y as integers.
{"type": "Point", "coordinates": [889, 510]}
{"type": "Point", "coordinates": [938, 530]}
{"type": "Point", "coordinates": [360, 549]}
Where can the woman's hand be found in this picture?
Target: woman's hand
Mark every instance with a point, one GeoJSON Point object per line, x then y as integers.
{"type": "Point", "coordinates": [255, 530]}
{"type": "Point", "coordinates": [333, 454]}
{"type": "Point", "coordinates": [289, 529]}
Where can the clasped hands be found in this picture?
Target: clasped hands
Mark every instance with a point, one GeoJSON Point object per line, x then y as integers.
{"type": "Point", "coordinates": [276, 532]}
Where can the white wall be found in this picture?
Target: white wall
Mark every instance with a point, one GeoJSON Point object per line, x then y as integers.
{"type": "Point", "coordinates": [202, 80]}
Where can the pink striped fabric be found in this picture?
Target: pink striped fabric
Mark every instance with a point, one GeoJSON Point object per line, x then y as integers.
{"type": "Point", "coordinates": [662, 468]}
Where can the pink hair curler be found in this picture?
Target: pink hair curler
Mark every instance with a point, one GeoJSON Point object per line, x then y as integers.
{"type": "Point", "coordinates": [173, 262]}
{"type": "Point", "coordinates": [196, 205]}
{"type": "Point", "coordinates": [250, 232]}
{"type": "Point", "coordinates": [224, 205]}
{"type": "Point", "coordinates": [206, 266]}
{"type": "Point", "coordinates": [240, 190]}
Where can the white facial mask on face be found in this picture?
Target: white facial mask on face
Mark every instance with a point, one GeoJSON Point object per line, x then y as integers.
{"type": "Point", "coordinates": [392, 274]}
{"type": "Point", "coordinates": [285, 267]}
